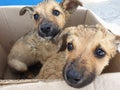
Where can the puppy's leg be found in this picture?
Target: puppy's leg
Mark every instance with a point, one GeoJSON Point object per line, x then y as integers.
{"type": "Point", "coordinates": [17, 65]}
{"type": "Point", "coordinates": [53, 68]}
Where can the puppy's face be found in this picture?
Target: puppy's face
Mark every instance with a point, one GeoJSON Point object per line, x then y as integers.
{"type": "Point", "coordinates": [50, 17]}
{"type": "Point", "coordinates": [89, 50]}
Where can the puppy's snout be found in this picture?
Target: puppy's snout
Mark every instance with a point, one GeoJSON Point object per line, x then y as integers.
{"type": "Point", "coordinates": [46, 28]}
{"type": "Point", "coordinates": [76, 76]}
{"type": "Point", "coordinates": [73, 76]}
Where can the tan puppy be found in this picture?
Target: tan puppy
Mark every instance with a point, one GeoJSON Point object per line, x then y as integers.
{"type": "Point", "coordinates": [38, 45]}
{"type": "Point", "coordinates": [88, 50]}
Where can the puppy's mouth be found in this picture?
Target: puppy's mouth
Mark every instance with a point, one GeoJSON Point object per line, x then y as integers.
{"type": "Point", "coordinates": [50, 35]}
{"type": "Point", "coordinates": [48, 30]}
{"type": "Point", "coordinates": [77, 78]}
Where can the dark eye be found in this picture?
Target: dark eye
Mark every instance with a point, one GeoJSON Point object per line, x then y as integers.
{"type": "Point", "coordinates": [100, 53]}
{"type": "Point", "coordinates": [70, 47]}
{"type": "Point", "coordinates": [56, 12]}
{"type": "Point", "coordinates": [36, 16]}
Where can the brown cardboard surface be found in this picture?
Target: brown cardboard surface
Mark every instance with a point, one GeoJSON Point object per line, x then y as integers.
{"type": "Point", "coordinates": [3, 61]}
{"type": "Point", "coordinates": [114, 65]}
{"type": "Point", "coordinates": [13, 26]}
{"type": "Point", "coordinates": [91, 18]}
{"type": "Point", "coordinates": [77, 18]}
{"type": "Point", "coordinates": [83, 16]}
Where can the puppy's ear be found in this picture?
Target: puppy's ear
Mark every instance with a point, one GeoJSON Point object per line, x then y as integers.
{"type": "Point", "coordinates": [63, 43]}
{"type": "Point", "coordinates": [24, 9]}
{"type": "Point", "coordinates": [117, 42]}
{"type": "Point", "coordinates": [70, 5]}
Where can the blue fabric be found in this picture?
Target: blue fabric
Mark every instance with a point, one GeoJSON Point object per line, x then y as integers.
{"type": "Point", "coordinates": [20, 2]}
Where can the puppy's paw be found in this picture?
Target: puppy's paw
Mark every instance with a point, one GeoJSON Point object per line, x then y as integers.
{"type": "Point", "coordinates": [17, 65]}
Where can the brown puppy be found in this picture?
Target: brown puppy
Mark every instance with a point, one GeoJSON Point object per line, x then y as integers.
{"type": "Point", "coordinates": [88, 50]}
{"type": "Point", "coordinates": [49, 17]}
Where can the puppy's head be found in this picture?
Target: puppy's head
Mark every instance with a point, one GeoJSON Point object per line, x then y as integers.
{"type": "Point", "coordinates": [88, 51]}
{"type": "Point", "coordinates": [50, 16]}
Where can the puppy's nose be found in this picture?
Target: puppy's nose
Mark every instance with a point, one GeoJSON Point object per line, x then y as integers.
{"type": "Point", "coordinates": [45, 28]}
{"type": "Point", "coordinates": [73, 76]}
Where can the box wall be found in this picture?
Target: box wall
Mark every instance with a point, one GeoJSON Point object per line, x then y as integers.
{"type": "Point", "coordinates": [3, 61]}
{"type": "Point", "coordinates": [13, 26]}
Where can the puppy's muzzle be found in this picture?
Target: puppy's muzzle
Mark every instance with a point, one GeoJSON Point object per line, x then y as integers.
{"type": "Point", "coordinates": [77, 77]}
{"type": "Point", "coordinates": [48, 29]}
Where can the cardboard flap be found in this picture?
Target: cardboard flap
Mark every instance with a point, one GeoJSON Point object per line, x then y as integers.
{"type": "Point", "coordinates": [107, 82]}
{"type": "Point", "coordinates": [91, 19]}
{"type": "Point", "coordinates": [103, 82]}
{"type": "Point", "coordinates": [77, 17]}
{"type": "Point", "coordinates": [11, 82]}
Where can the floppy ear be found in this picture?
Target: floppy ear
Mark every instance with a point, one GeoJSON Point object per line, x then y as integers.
{"type": "Point", "coordinates": [117, 42]}
{"type": "Point", "coordinates": [63, 43]}
{"type": "Point", "coordinates": [24, 9]}
{"type": "Point", "coordinates": [70, 5]}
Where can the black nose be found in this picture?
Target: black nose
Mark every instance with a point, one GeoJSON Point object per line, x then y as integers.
{"type": "Point", "coordinates": [46, 28]}
{"type": "Point", "coordinates": [73, 76]}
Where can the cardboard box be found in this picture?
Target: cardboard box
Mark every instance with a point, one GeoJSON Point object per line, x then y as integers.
{"type": "Point", "coordinates": [13, 26]}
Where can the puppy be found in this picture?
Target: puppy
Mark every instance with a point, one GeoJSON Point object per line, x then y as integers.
{"type": "Point", "coordinates": [85, 51]}
{"type": "Point", "coordinates": [38, 45]}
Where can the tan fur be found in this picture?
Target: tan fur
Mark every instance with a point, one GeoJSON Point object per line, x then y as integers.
{"type": "Point", "coordinates": [32, 48]}
{"type": "Point", "coordinates": [52, 69]}
{"type": "Point", "coordinates": [45, 11]}
{"type": "Point", "coordinates": [29, 49]}
{"type": "Point", "coordinates": [85, 40]}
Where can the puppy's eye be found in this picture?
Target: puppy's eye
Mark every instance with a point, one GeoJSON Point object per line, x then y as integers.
{"type": "Point", "coordinates": [56, 12]}
{"type": "Point", "coordinates": [36, 16]}
{"type": "Point", "coordinates": [100, 53]}
{"type": "Point", "coordinates": [70, 47]}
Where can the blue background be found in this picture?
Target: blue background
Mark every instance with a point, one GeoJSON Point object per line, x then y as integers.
{"type": "Point", "coordinates": [20, 2]}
